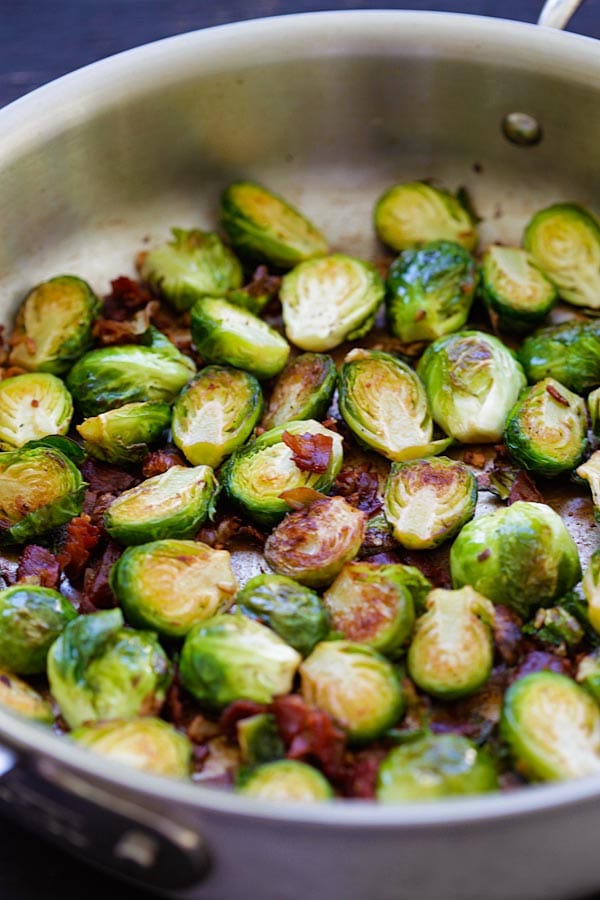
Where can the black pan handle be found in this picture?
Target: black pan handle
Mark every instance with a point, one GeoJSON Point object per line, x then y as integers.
{"type": "Point", "coordinates": [109, 830]}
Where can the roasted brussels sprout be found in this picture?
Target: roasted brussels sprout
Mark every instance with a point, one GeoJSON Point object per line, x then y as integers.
{"type": "Point", "coordinates": [114, 376]}
{"type": "Point", "coordinates": [588, 673]}
{"type": "Point", "coordinates": [452, 652]}
{"type": "Point", "coordinates": [371, 604]}
{"type": "Point", "coordinates": [231, 657]}
{"type": "Point", "coordinates": [313, 544]}
{"type": "Point", "coordinates": [570, 353]}
{"type": "Point", "coordinates": [292, 610]}
{"type": "Point", "coordinates": [430, 291]}
{"type": "Point", "coordinates": [521, 556]}
{"type": "Point", "coordinates": [590, 586]}
{"type": "Point", "coordinates": [557, 626]}
{"type": "Point", "coordinates": [593, 406]}
{"type": "Point", "coordinates": [259, 739]}
{"type": "Point", "coordinates": [40, 488]}
{"type": "Point", "coordinates": [54, 325]}
{"type": "Point", "coordinates": [228, 335]}
{"type": "Point", "coordinates": [302, 391]}
{"type": "Point", "coordinates": [436, 765]}
{"type": "Point", "coordinates": [427, 501]}
{"type": "Point", "coordinates": [590, 472]}
{"type": "Point", "coordinates": [149, 744]}
{"type": "Point", "coordinates": [263, 226]}
{"type": "Point", "coordinates": [385, 405]}
{"type": "Point", "coordinates": [355, 685]}
{"type": "Point", "coordinates": [329, 300]}
{"type": "Point", "coordinates": [546, 430]}
{"type": "Point", "coordinates": [124, 435]}
{"type": "Point", "coordinates": [170, 585]}
{"type": "Point", "coordinates": [191, 265]}
{"type": "Point", "coordinates": [98, 669]}
{"type": "Point", "coordinates": [552, 727]}
{"type": "Point", "coordinates": [171, 505]}
{"type": "Point", "coordinates": [286, 779]}
{"type": "Point", "coordinates": [514, 288]}
{"type": "Point", "coordinates": [299, 454]}
{"type": "Point", "coordinates": [20, 697]}
{"type": "Point", "coordinates": [31, 618]}
{"type": "Point", "coordinates": [412, 214]}
{"type": "Point", "coordinates": [564, 239]}
{"type": "Point", "coordinates": [472, 382]}
{"type": "Point", "coordinates": [216, 413]}
{"type": "Point", "coordinates": [32, 406]}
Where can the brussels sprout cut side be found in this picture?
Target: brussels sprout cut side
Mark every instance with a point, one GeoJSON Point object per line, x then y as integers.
{"type": "Point", "coordinates": [472, 381]}
{"type": "Point", "coordinates": [225, 334]}
{"type": "Point", "coordinates": [172, 585]}
{"type": "Point", "coordinates": [54, 325]}
{"type": "Point", "coordinates": [215, 414]}
{"type": "Point", "coordinates": [552, 727]}
{"type": "Point", "coordinates": [591, 590]}
{"type": "Point", "coordinates": [514, 288]}
{"type": "Point", "coordinates": [357, 686]}
{"type": "Point", "coordinates": [125, 435]}
{"type": "Point", "coordinates": [32, 406]}
{"type": "Point", "coordinates": [437, 765]}
{"type": "Point", "coordinates": [148, 744]}
{"type": "Point", "coordinates": [564, 239]}
{"type": "Point", "coordinates": [31, 618]}
{"type": "Point", "coordinates": [521, 556]}
{"type": "Point", "coordinates": [412, 214]}
{"type": "Point", "coordinates": [430, 291]}
{"type": "Point", "coordinates": [40, 488]}
{"type": "Point", "coordinates": [264, 226]}
{"type": "Point", "coordinates": [590, 472]}
{"type": "Point", "coordinates": [286, 779]}
{"type": "Point", "coordinates": [171, 505]}
{"type": "Point", "coordinates": [230, 657]}
{"type": "Point", "coordinates": [329, 300]}
{"type": "Point", "coordinates": [19, 697]}
{"type": "Point", "coordinates": [428, 501]}
{"type": "Point", "coordinates": [302, 391]}
{"type": "Point", "coordinates": [193, 264]}
{"type": "Point", "coordinates": [570, 353]}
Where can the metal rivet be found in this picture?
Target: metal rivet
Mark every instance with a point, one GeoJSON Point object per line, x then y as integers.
{"type": "Point", "coordinates": [522, 129]}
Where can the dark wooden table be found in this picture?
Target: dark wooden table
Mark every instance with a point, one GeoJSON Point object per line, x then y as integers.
{"type": "Point", "coordinates": [41, 40]}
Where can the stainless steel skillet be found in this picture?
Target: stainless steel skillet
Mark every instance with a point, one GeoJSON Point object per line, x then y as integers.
{"type": "Point", "coordinates": [327, 109]}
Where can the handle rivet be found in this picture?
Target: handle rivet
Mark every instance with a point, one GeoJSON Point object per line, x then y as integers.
{"type": "Point", "coordinates": [522, 129]}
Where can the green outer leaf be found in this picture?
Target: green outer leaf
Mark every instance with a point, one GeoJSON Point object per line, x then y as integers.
{"type": "Point", "coordinates": [302, 391]}
{"type": "Point", "coordinates": [65, 445]}
{"type": "Point", "coordinates": [514, 287]}
{"type": "Point", "coordinates": [285, 779]}
{"type": "Point", "coordinates": [570, 353]}
{"type": "Point", "coordinates": [31, 618]}
{"type": "Point", "coordinates": [124, 435]}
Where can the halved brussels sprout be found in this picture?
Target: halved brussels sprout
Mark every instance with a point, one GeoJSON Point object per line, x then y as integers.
{"type": "Point", "coordinates": [385, 405]}
{"type": "Point", "coordinates": [569, 352]}
{"type": "Point", "coordinates": [173, 504]}
{"type": "Point", "coordinates": [33, 406]}
{"type": "Point", "coordinates": [285, 780]}
{"type": "Point", "coordinates": [593, 406]}
{"type": "Point", "coordinates": [371, 604]}
{"type": "Point", "coordinates": [546, 430]}
{"type": "Point", "coordinates": [564, 239]}
{"type": "Point", "coordinates": [231, 657]}
{"type": "Point", "coordinates": [259, 739]}
{"type": "Point", "coordinates": [31, 618]}
{"type": "Point", "coordinates": [452, 650]}
{"type": "Point", "coordinates": [263, 226]}
{"type": "Point", "coordinates": [124, 435]}
{"type": "Point", "coordinates": [257, 475]}
{"type": "Point", "coordinates": [216, 413]}
{"type": "Point", "coordinates": [355, 685]}
{"type": "Point", "coordinates": [437, 765]}
{"type": "Point", "coordinates": [588, 673]}
{"type": "Point", "coordinates": [171, 585]}
{"type": "Point", "coordinates": [430, 291]}
{"type": "Point", "coordinates": [427, 501]}
{"type": "Point", "coordinates": [313, 544]}
{"type": "Point", "coordinates": [40, 488]}
{"type": "Point", "coordinates": [552, 727]}
{"type": "Point", "coordinates": [472, 382]}
{"type": "Point", "coordinates": [54, 325]}
{"type": "Point", "coordinates": [149, 744]}
{"type": "Point", "coordinates": [98, 669]}
{"type": "Point", "coordinates": [191, 265]}
{"type": "Point", "coordinates": [590, 586]}
{"type": "Point", "coordinates": [514, 288]}
{"type": "Point", "coordinates": [409, 215]}
{"type": "Point", "coordinates": [590, 472]}
{"type": "Point", "coordinates": [114, 376]}
{"type": "Point", "coordinates": [20, 697]}
{"type": "Point", "coordinates": [228, 335]}
{"type": "Point", "coordinates": [557, 626]}
{"type": "Point", "coordinates": [302, 391]}
{"type": "Point", "coordinates": [292, 610]}
{"type": "Point", "coordinates": [329, 300]}
{"type": "Point", "coordinates": [521, 556]}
